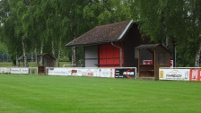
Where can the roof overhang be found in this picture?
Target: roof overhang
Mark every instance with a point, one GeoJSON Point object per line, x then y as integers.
{"type": "Point", "coordinates": [104, 34]}
{"type": "Point", "coordinates": [151, 47]}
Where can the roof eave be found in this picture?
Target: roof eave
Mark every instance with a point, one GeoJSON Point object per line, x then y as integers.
{"type": "Point", "coordinates": [92, 44]}
{"type": "Point", "coordinates": [125, 30]}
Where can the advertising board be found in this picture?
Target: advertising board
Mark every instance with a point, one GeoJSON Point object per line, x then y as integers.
{"type": "Point", "coordinates": [125, 72]}
{"type": "Point", "coordinates": [19, 70]}
{"type": "Point", "coordinates": [57, 71]}
{"type": "Point", "coordinates": [94, 72]}
{"type": "Point", "coordinates": [5, 70]}
{"type": "Point", "coordinates": [195, 75]}
{"type": "Point", "coordinates": [106, 72]}
{"type": "Point", "coordinates": [174, 74]}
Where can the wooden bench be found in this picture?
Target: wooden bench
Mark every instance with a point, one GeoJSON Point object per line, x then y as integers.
{"type": "Point", "coordinates": [146, 70]}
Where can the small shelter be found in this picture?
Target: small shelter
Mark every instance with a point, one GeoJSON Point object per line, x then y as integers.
{"type": "Point", "coordinates": [110, 45]}
{"type": "Point", "coordinates": [157, 56]}
{"type": "Point", "coordinates": [43, 61]}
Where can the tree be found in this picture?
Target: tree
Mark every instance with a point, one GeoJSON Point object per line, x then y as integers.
{"type": "Point", "coordinates": [166, 21]}
{"type": "Point", "coordinates": [8, 25]}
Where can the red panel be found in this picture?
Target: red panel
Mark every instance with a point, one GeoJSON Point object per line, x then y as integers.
{"type": "Point", "coordinates": [195, 75]}
{"type": "Point", "coordinates": [110, 51]}
{"type": "Point", "coordinates": [102, 55]}
{"type": "Point", "coordinates": [109, 55]}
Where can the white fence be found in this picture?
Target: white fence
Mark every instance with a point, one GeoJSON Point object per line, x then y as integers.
{"type": "Point", "coordinates": [165, 73]}
{"type": "Point", "coordinates": [124, 72]}
{"type": "Point", "coordinates": [180, 73]}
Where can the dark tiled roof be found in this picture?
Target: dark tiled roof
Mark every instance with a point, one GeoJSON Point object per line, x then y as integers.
{"type": "Point", "coordinates": [46, 55]}
{"type": "Point", "coordinates": [148, 46]}
{"type": "Point", "coordinates": [102, 34]}
{"type": "Point", "coordinates": [151, 47]}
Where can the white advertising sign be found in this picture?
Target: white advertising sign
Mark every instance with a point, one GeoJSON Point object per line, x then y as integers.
{"type": "Point", "coordinates": [88, 72]}
{"type": "Point", "coordinates": [57, 71]}
{"type": "Point", "coordinates": [106, 72]}
{"type": "Point", "coordinates": [5, 70]}
{"type": "Point", "coordinates": [95, 72]}
{"type": "Point", "coordinates": [174, 74]}
{"type": "Point", "coordinates": [19, 70]}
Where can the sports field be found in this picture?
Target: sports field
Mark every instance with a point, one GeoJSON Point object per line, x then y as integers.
{"type": "Point", "coordinates": [57, 94]}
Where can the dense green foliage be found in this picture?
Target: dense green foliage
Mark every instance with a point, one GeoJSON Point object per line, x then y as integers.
{"type": "Point", "coordinates": [34, 27]}
{"type": "Point", "coordinates": [168, 21]}
{"type": "Point", "coordinates": [54, 94]}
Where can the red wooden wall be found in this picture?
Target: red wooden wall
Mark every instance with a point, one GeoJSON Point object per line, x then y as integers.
{"type": "Point", "coordinates": [109, 56]}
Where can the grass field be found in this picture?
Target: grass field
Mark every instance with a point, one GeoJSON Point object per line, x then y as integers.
{"type": "Point", "coordinates": [57, 94]}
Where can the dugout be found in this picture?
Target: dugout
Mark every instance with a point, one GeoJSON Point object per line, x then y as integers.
{"type": "Point", "coordinates": [43, 61]}
{"type": "Point", "coordinates": [150, 58]}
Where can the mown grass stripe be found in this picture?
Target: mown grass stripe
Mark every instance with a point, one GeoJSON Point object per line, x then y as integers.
{"type": "Point", "coordinates": [57, 94]}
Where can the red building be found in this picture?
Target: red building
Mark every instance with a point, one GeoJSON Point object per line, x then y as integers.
{"type": "Point", "coordinates": [111, 45]}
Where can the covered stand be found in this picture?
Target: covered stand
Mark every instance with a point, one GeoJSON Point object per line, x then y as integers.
{"type": "Point", "coordinates": [150, 58]}
{"type": "Point", "coordinates": [110, 45]}
{"type": "Point", "coordinates": [43, 61]}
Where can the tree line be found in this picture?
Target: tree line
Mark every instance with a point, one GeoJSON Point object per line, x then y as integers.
{"type": "Point", "coordinates": [38, 26]}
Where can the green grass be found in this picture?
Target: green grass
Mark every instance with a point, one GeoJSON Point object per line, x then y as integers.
{"type": "Point", "coordinates": [57, 94]}
{"type": "Point", "coordinates": [6, 64]}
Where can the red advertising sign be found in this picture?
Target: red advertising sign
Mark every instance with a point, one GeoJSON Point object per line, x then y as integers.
{"type": "Point", "coordinates": [195, 75]}
{"type": "Point", "coordinates": [149, 62]}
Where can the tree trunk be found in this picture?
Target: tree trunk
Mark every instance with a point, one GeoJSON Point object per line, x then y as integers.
{"type": "Point", "coordinates": [74, 57]}
{"type": "Point", "coordinates": [17, 63]}
{"type": "Point", "coordinates": [174, 52]}
{"type": "Point", "coordinates": [53, 50]}
{"type": "Point", "coordinates": [41, 57]}
{"type": "Point", "coordinates": [36, 55]}
{"type": "Point", "coordinates": [24, 53]}
{"type": "Point", "coordinates": [74, 54]}
{"type": "Point", "coordinates": [197, 56]}
{"type": "Point", "coordinates": [32, 59]}
{"type": "Point", "coordinates": [59, 53]}
{"type": "Point", "coordinates": [166, 41]}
